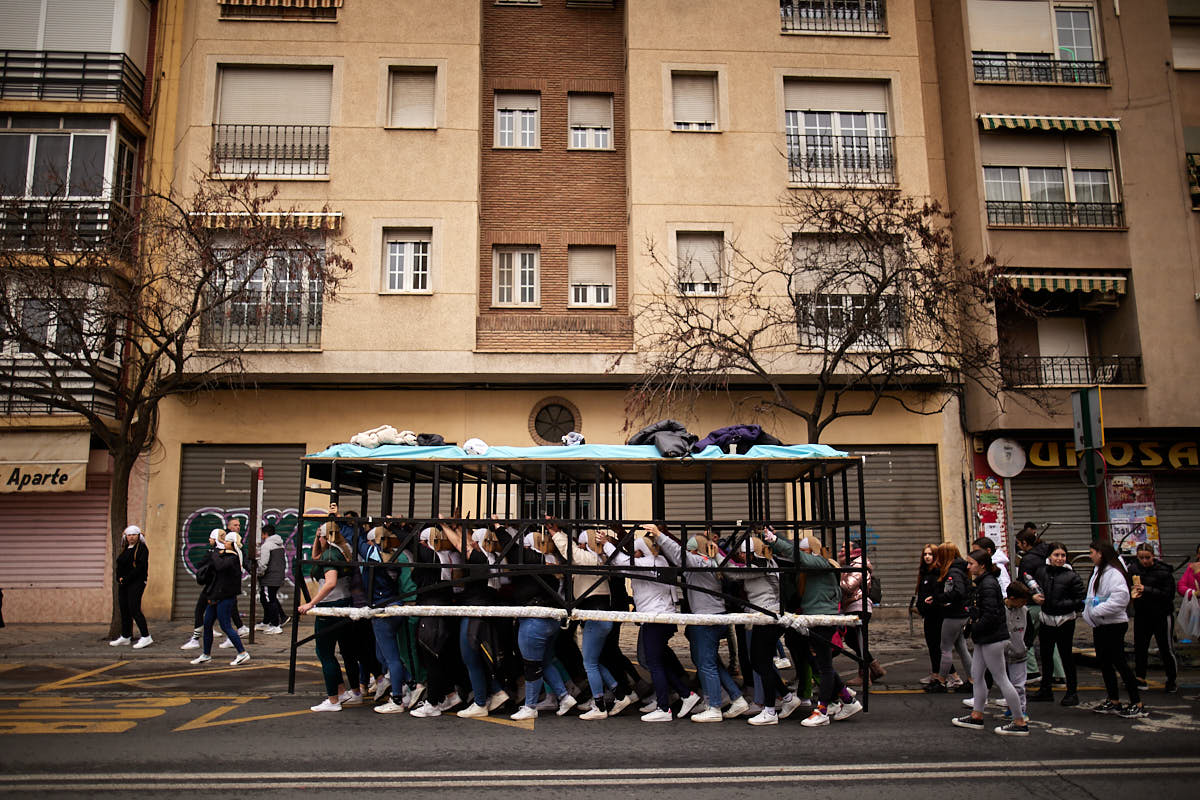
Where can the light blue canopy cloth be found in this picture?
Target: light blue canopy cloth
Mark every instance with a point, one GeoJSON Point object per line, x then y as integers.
{"type": "Point", "coordinates": [596, 452]}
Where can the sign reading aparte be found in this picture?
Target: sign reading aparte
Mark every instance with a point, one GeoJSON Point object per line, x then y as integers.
{"type": "Point", "coordinates": [43, 461]}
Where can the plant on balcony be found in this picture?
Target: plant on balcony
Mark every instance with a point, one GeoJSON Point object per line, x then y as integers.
{"type": "Point", "coordinates": [119, 308]}
{"type": "Point", "coordinates": [862, 302]}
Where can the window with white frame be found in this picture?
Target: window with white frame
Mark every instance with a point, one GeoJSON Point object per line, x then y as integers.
{"type": "Point", "coordinates": [700, 258]}
{"type": "Point", "coordinates": [517, 119]}
{"type": "Point", "coordinates": [591, 272]}
{"type": "Point", "coordinates": [874, 322]}
{"type": "Point", "coordinates": [589, 117]}
{"type": "Point", "coordinates": [65, 157]}
{"type": "Point", "coordinates": [46, 325]}
{"type": "Point", "coordinates": [1044, 179]}
{"type": "Point", "coordinates": [411, 97]}
{"type": "Point", "coordinates": [406, 260]}
{"type": "Point", "coordinates": [694, 100]}
{"type": "Point", "coordinates": [1036, 41]}
{"type": "Point", "coordinates": [837, 132]}
{"type": "Point", "coordinates": [515, 275]}
{"type": "Point", "coordinates": [270, 302]}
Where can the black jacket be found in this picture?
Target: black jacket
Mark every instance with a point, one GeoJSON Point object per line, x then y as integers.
{"type": "Point", "coordinates": [1032, 561]}
{"type": "Point", "coordinates": [927, 585]}
{"type": "Point", "coordinates": [1158, 593]}
{"type": "Point", "coordinates": [1062, 590]}
{"type": "Point", "coordinates": [477, 592]}
{"type": "Point", "coordinates": [989, 622]}
{"type": "Point", "coordinates": [227, 577]}
{"type": "Point", "coordinates": [950, 595]}
{"type": "Point", "coordinates": [132, 564]}
{"type": "Point", "coordinates": [426, 577]}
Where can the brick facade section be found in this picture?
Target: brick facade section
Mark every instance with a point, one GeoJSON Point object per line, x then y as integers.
{"type": "Point", "coordinates": [553, 197]}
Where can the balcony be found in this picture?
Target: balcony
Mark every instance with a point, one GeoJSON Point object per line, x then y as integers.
{"type": "Point", "coordinates": [1071, 370]}
{"type": "Point", "coordinates": [16, 373]}
{"type": "Point", "coordinates": [1039, 69]}
{"type": "Point", "coordinates": [29, 225]}
{"type": "Point", "coordinates": [1047, 214]}
{"type": "Point", "coordinates": [64, 75]}
{"type": "Point", "coordinates": [284, 316]}
{"type": "Point", "coordinates": [271, 151]}
{"type": "Point", "coordinates": [833, 16]}
{"type": "Point", "coordinates": [841, 160]}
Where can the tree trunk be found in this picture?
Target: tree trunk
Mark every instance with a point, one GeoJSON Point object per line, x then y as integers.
{"type": "Point", "coordinates": [118, 518]}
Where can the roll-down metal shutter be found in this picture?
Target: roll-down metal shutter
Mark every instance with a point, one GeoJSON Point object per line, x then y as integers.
{"type": "Point", "coordinates": [730, 502]}
{"type": "Point", "coordinates": [55, 540]}
{"type": "Point", "coordinates": [1057, 498]}
{"type": "Point", "coordinates": [1177, 500]}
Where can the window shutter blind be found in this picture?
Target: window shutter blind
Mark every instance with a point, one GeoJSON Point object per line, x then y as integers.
{"type": "Point", "coordinates": [700, 256]}
{"type": "Point", "coordinates": [1011, 26]}
{"type": "Point", "coordinates": [412, 94]}
{"type": "Point", "coordinates": [589, 110]}
{"type": "Point", "coordinates": [1185, 46]}
{"type": "Point", "coordinates": [518, 101]}
{"type": "Point", "coordinates": [1091, 152]}
{"type": "Point", "coordinates": [695, 97]}
{"type": "Point", "coordinates": [409, 235]}
{"type": "Point", "coordinates": [800, 95]}
{"type": "Point", "coordinates": [78, 25]}
{"type": "Point", "coordinates": [1036, 150]}
{"type": "Point", "coordinates": [590, 265]}
{"type": "Point", "coordinates": [139, 33]}
{"type": "Point", "coordinates": [22, 24]}
{"type": "Point", "coordinates": [275, 96]}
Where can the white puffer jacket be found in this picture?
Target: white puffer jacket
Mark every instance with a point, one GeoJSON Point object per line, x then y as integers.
{"type": "Point", "coordinates": [1107, 598]}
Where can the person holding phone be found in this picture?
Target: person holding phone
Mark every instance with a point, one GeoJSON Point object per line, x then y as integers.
{"type": "Point", "coordinates": [1153, 595]}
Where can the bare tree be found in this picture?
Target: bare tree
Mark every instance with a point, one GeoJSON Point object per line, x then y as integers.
{"type": "Point", "coordinates": [104, 313]}
{"type": "Point", "coordinates": [861, 300]}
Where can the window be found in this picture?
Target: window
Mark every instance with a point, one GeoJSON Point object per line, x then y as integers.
{"type": "Point", "coordinates": [694, 100]}
{"type": "Point", "coordinates": [837, 133]}
{"type": "Point", "coordinates": [553, 418]}
{"type": "Point", "coordinates": [1035, 41]}
{"type": "Point", "coordinates": [700, 260]}
{"type": "Point", "coordinates": [273, 121]}
{"type": "Point", "coordinates": [284, 10]}
{"type": "Point", "coordinates": [590, 274]}
{"type": "Point", "coordinates": [1073, 28]}
{"type": "Point", "coordinates": [517, 119]}
{"type": "Point", "coordinates": [406, 260]}
{"type": "Point", "coordinates": [841, 16]}
{"type": "Point", "coordinates": [1185, 46]}
{"type": "Point", "coordinates": [589, 116]}
{"type": "Point", "coordinates": [48, 329]}
{"type": "Point", "coordinates": [515, 276]}
{"type": "Point", "coordinates": [872, 324]}
{"type": "Point", "coordinates": [1047, 180]}
{"type": "Point", "coordinates": [43, 157]}
{"type": "Point", "coordinates": [411, 97]}
{"type": "Point", "coordinates": [274, 302]}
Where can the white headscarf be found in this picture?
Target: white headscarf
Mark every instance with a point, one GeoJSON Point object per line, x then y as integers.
{"type": "Point", "coordinates": [131, 530]}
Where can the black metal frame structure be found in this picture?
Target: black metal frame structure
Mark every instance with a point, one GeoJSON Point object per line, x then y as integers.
{"type": "Point", "coordinates": [822, 501]}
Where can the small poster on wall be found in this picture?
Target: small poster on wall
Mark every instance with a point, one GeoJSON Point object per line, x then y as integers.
{"type": "Point", "coordinates": [991, 518]}
{"type": "Point", "coordinates": [1132, 511]}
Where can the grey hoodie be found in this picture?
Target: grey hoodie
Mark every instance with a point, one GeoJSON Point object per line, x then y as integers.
{"type": "Point", "coordinates": [271, 561]}
{"type": "Point", "coordinates": [700, 601]}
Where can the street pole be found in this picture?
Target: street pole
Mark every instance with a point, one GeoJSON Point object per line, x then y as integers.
{"type": "Point", "coordinates": [1089, 438]}
{"type": "Point", "coordinates": [255, 524]}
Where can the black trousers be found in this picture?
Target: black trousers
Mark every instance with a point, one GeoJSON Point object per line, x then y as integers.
{"type": "Point", "coordinates": [763, 639]}
{"type": "Point", "coordinates": [201, 605]}
{"type": "Point", "coordinates": [1110, 652]}
{"type": "Point", "coordinates": [932, 627]}
{"type": "Point", "coordinates": [1060, 638]}
{"type": "Point", "coordinates": [1162, 628]}
{"type": "Point", "coordinates": [129, 598]}
{"type": "Point", "coordinates": [272, 610]}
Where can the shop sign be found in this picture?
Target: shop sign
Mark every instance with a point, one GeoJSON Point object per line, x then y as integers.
{"type": "Point", "coordinates": [1148, 454]}
{"type": "Point", "coordinates": [35, 461]}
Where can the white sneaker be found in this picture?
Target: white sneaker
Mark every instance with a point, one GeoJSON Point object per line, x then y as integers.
{"type": "Point", "coordinates": [689, 703]}
{"type": "Point", "coordinates": [325, 705]}
{"type": "Point", "coordinates": [815, 719]}
{"type": "Point", "coordinates": [473, 710]}
{"type": "Point", "coordinates": [753, 709]}
{"type": "Point", "coordinates": [382, 686]}
{"type": "Point", "coordinates": [450, 702]}
{"type": "Point", "coordinates": [954, 682]}
{"type": "Point", "coordinates": [120, 640]}
{"type": "Point", "coordinates": [226, 643]}
{"type": "Point", "coordinates": [200, 659]}
{"type": "Point", "coordinates": [390, 707]}
{"type": "Point", "coordinates": [832, 710]}
{"type": "Point", "coordinates": [657, 715]}
{"type": "Point", "coordinates": [766, 717]}
{"type": "Point", "coordinates": [525, 712]}
{"type": "Point", "coordinates": [415, 695]}
{"type": "Point", "coordinates": [145, 641]}
{"type": "Point", "coordinates": [240, 658]}
{"type": "Point", "coordinates": [710, 714]}
{"type": "Point", "coordinates": [350, 698]}
{"type": "Point", "coordinates": [371, 685]}
{"type": "Point", "coordinates": [847, 710]}
{"type": "Point", "coordinates": [272, 629]}
{"type": "Point", "coordinates": [566, 704]}
{"type": "Point", "coordinates": [426, 709]}
{"type": "Point", "coordinates": [259, 626]}
{"type": "Point", "coordinates": [497, 700]}
{"type": "Point", "coordinates": [651, 705]}
{"type": "Point", "coordinates": [595, 713]}
{"type": "Point", "coordinates": [190, 644]}
{"type": "Point", "coordinates": [547, 703]}
{"type": "Point", "coordinates": [243, 631]}
{"type": "Point", "coordinates": [737, 708]}
{"type": "Point", "coordinates": [1000, 701]}
{"type": "Point", "coordinates": [783, 662]}
{"type": "Point", "coordinates": [623, 703]}
{"type": "Point", "coordinates": [789, 705]}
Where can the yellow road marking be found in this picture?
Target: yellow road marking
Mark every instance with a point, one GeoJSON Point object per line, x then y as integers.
{"type": "Point", "coordinates": [526, 724]}
{"type": "Point", "coordinates": [191, 673]}
{"type": "Point", "coordinates": [7, 667]}
{"type": "Point", "coordinates": [59, 684]}
{"type": "Point", "coordinates": [212, 719]}
{"type": "Point", "coordinates": [42, 715]}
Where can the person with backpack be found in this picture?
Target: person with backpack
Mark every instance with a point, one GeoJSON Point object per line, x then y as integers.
{"type": "Point", "coordinates": [271, 569]}
{"type": "Point", "coordinates": [1060, 599]}
{"type": "Point", "coordinates": [226, 585]}
{"type": "Point", "coordinates": [1104, 609]}
{"type": "Point", "coordinates": [204, 577]}
{"type": "Point", "coordinates": [855, 601]}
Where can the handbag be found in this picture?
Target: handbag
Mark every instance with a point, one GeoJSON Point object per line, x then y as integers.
{"type": "Point", "coordinates": [1187, 622]}
{"type": "Point", "coordinates": [875, 591]}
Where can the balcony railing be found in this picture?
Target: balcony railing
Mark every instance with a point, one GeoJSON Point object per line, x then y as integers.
{"type": "Point", "coordinates": [1045, 214]}
{"type": "Point", "coordinates": [840, 160]}
{"type": "Point", "coordinates": [1003, 69]}
{"type": "Point", "coordinates": [66, 75]}
{"type": "Point", "coordinates": [29, 225]}
{"type": "Point", "coordinates": [271, 150]}
{"type": "Point", "coordinates": [1071, 370]}
{"type": "Point", "coordinates": [16, 373]}
{"type": "Point", "coordinates": [275, 319]}
{"type": "Point", "coordinates": [834, 16]}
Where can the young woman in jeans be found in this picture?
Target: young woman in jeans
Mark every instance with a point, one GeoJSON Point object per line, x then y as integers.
{"type": "Point", "coordinates": [535, 635]}
{"type": "Point", "coordinates": [227, 584]}
{"type": "Point", "coordinates": [1104, 610]}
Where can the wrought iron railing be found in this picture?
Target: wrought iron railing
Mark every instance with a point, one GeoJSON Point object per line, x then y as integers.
{"type": "Point", "coordinates": [1042, 69]}
{"type": "Point", "coordinates": [281, 317]}
{"type": "Point", "coordinates": [271, 150]}
{"type": "Point", "coordinates": [68, 75]}
{"type": "Point", "coordinates": [836, 160]}
{"type": "Point", "coordinates": [1071, 370]}
{"type": "Point", "coordinates": [1046, 214]}
{"type": "Point", "coordinates": [834, 16]}
{"type": "Point", "coordinates": [65, 225]}
{"type": "Point", "coordinates": [29, 374]}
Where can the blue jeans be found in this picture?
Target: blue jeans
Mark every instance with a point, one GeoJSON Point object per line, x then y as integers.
{"type": "Point", "coordinates": [483, 683]}
{"type": "Point", "coordinates": [704, 640]}
{"type": "Point", "coordinates": [221, 612]}
{"type": "Point", "coordinates": [386, 629]}
{"type": "Point", "coordinates": [535, 640]}
{"type": "Point", "coordinates": [595, 633]}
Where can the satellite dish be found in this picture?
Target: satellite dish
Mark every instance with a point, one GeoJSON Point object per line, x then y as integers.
{"type": "Point", "coordinates": [1006, 457]}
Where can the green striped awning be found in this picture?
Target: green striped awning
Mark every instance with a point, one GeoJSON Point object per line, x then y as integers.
{"type": "Point", "coordinates": [992, 122]}
{"type": "Point", "coordinates": [1066, 282]}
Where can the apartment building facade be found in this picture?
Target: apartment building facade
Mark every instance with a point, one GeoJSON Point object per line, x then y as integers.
{"type": "Point", "coordinates": [1067, 128]}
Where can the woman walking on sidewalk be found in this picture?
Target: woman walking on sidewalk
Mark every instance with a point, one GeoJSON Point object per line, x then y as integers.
{"type": "Point", "coordinates": [1105, 610]}
{"type": "Point", "coordinates": [950, 598]}
{"type": "Point", "coordinates": [131, 573]}
{"type": "Point", "coordinates": [227, 583]}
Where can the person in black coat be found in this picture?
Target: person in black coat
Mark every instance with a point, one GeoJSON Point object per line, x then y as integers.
{"type": "Point", "coordinates": [1034, 553]}
{"type": "Point", "coordinates": [1153, 596]}
{"type": "Point", "coordinates": [931, 617]}
{"type": "Point", "coordinates": [1061, 600]}
{"type": "Point", "coordinates": [132, 570]}
{"type": "Point", "coordinates": [949, 598]}
{"type": "Point", "coordinates": [226, 586]}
